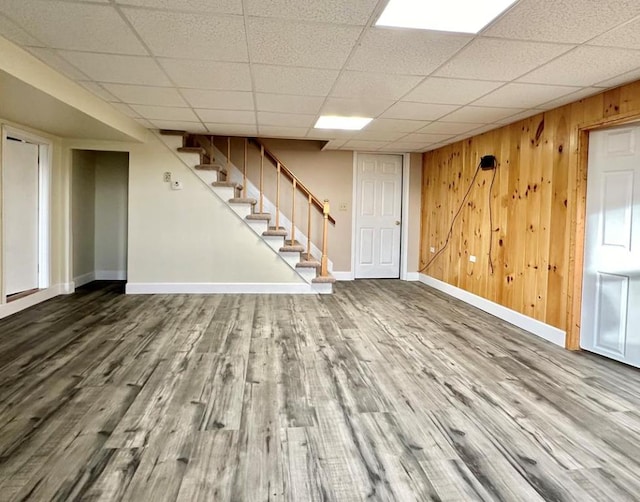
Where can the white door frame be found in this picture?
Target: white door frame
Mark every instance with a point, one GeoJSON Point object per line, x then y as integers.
{"type": "Point", "coordinates": [404, 226]}
{"type": "Point", "coordinates": [45, 148]}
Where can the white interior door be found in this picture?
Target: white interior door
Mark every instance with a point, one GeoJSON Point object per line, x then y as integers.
{"type": "Point", "coordinates": [611, 290]}
{"type": "Point", "coordinates": [21, 195]}
{"type": "Point", "coordinates": [378, 212]}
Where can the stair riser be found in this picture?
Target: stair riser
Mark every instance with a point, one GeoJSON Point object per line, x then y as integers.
{"type": "Point", "coordinates": [274, 242]}
{"type": "Point", "coordinates": [242, 210]}
{"type": "Point", "coordinates": [191, 159]}
{"type": "Point", "coordinates": [226, 193]}
{"type": "Point", "coordinates": [208, 176]}
{"type": "Point", "coordinates": [174, 142]}
{"type": "Point", "coordinates": [308, 274]}
{"type": "Point", "coordinates": [257, 226]}
{"type": "Point", "coordinates": [290, 258]}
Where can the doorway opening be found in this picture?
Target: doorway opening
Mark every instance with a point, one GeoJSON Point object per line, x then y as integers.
{"type": "Point", "coordinates": [99, 209]}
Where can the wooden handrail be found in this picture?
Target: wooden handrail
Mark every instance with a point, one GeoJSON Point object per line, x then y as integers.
{"type": "Point", "coordinates": [292, 177]}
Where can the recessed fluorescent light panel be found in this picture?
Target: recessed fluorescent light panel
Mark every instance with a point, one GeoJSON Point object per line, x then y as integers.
{"type": "Point", "coordinates": [345, 123]}
{"type": "Point", "coordinates": [461, 16]}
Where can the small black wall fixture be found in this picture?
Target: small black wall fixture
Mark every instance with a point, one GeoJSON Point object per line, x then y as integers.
{"type": "Point", "coordinates": [488, 162]}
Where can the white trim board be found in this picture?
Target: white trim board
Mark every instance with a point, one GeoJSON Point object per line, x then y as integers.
{"type": "Point", "coordinates": [204, 288]}
{"type": "Point", "coordinates": [111, 275]}
{"type": "Point", "coordinates": [549, 333]}
{"type": "Point", "coordinates": [83, 279]}
{"type": "Point", "coordinates": [16, 306]}
{"type": "Point", "coordinates": [343, 276]}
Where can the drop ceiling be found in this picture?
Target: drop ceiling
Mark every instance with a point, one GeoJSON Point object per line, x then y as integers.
{"type": "Point", "coordinates": [252, 67]}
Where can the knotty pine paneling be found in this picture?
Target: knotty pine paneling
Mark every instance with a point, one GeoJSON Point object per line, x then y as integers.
{"type": "Point", "coordinates": [538, 206]}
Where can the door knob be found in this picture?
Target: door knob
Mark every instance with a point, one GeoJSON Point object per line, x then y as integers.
{"type": "Point", "coordinates": [397, 222]}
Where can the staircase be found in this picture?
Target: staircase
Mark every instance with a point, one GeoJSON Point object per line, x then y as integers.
{"type": "Point", "coordinates": [276, 228]}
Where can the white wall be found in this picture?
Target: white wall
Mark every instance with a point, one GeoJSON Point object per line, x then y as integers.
{"type": "Point", "coordinates": [83, 190]}
{"type": "Point", "coordinates": [111, 194]}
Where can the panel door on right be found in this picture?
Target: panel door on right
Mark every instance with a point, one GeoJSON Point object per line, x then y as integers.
{"type": "Point", "coordinates": [378, 212]}
{"type": "Point", "coordinates": [611, 285]}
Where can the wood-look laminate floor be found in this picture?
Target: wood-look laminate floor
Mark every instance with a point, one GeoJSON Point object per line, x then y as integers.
{"type": "Point", "coordinates": [383, 391]}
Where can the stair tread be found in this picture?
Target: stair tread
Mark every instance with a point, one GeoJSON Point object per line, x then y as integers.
{"type": "Point", "coordinates": [327, 279]}
{"type": "Point", "coordinates": [230, 184]}
{"type": "Point", "coordinates": [275, 233]}
{"type": "Point", "coordinates": [308, 264]}
{"type": "Point", "coordinates": [211, 167]}
{"type": "Point", "coordinates": [243, 200]}
{"type": "Point", "coordinates": [259, 216]}
{"type": "Point", "coordinates": [293, 247]}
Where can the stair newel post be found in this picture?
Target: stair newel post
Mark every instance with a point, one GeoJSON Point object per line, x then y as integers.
{"type": "Point", "coordinates": [261, 179]}
{"type": "Point", "coordinates": [278, 197]}
{"type": "Point", "coordinates": [244, 169]}
{"type": "Point", "coordinates": [308, 257]}
{"type": "Point", "coordinates": [324, 270]}
{"type": "Point", "coordinates": [293, 212]}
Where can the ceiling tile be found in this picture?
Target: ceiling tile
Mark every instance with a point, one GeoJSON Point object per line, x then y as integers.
{"type": "Point", "coordinates": [450, 91]}
{"type": "Point", "coordinates": [448, 128]}
{"type": "Point", "coordinates": [578, 68]}
{"type": "Point", "coordinates": [405, 146]}
{"type": "Point", "coordinates": [396, 125]}
{"type": "Point", "coordinates": [363, 107]}
{"type": "Point", "coordinates": [218, 6]}
{"type": "Point", "coordinates": [625, 78]}
{"type": "Point", "coordinates": [627, 36]}
{"type": "Point", "coordinates": [198, 74]}
{"type": "Point", "coordinates": [287, 103]}
{"type": "Point", "coordinates": [524, 95]}
{"type": "Point", "coordinates": [480, 114]}
{"type": "Point", "coordinates": [227, 116]}
{"type": "Point", "coordinates": [411, 52]}
{"type": "Point", "coordinates": [165, 113]}
{"type": "Point", "coordinates": [178, 125]}
{"type": "Point", "coordinates": [74, 26]}
{"type": "Point", "coordinates": [418, 111]}
{"type": "Point", "coordinates": [118, 69]}
{"type": "Point", "coordinates": [299, 81]}
{"type": "Point", "coordinates": [494, 59]}
{"type": "Point", "coordinates": [51, 58]}
{"type": "Point", "coordinates": [334, 144]}
{"type": "Point", "coordinates": [233, 129]}
{"type": "Point", "coordinates": [146, 95]}
{"type": "Point", "coordinates": [285, 119]}
{"type": "Point", "coordinates": [98, 90]}
{"type": "Point", "coordinates": [126, 109]}
{"type": "Point", "coordinates": [145, 123]}
{"type": "Point", "coordinates": [330, 134]}
{"type": "Point", "coordinates": [202, 36]}
{"type": "Point", "coordinates": [327, 11]}
{"type": "Point", "coordinates": [13, 32]}
{"type": "Point", "coordinates": [515, 118]}
{"type": "Point", "coordinates": [570, 98]}
{"type": "Point", "coordinates": [268, 131]}
{"type": "Point", "coordinates": [426, 138]}
{"type": "Point", "coordinates": [300, 44]}
{"type": "Point", "coordinates": [369, 135]}
{"type": "Point", "coordinates": [364, 145]}
{"type": "Point", "coordinates": [562, 20]}
{"type": "Point", "coordinates": [220, 100]}
{"type": "Point", "coordinates": [353, 84]}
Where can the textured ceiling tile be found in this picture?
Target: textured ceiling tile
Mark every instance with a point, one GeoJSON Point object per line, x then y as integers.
{"type": "Point", "coordinates": [227, 116]}
{"type": "Point", "coordinates": [524, 95]}
{"type": "Point", "coordinates": [353, 84]}
{"type": "Point", "coordinates": [233, 129]}
{"type": "Point", "coordinates": [285, 119]}
{"type": "Point", "coordinates": [410, 52]}
{"type": "Point", "coordinates": [625, 78]}
{"type": "Point", "coordinates": [492, 59]}
{"type": "Point", "coordinates": [165, 113]}
{"type": "Point", "coordinates": [627, 36]}
{"type": "Point", "coordinates": [578, 68]}
{"type": "Point", "coordinates": [357, 144]}
{"type": "Point", "coordinates": [570, 98]}
{"type": "Point", "coordinates": [364, 107]}
{"type": "Point", "coordinates": [426, 138]}
{"type": "Point", "coordinates": [74, 26]}
{"type": "Point", "coordinates": [287, 103]}
{"type": "Point", "coordinates": [448, 128]}
{"type": "Point", "coordinates": [13, 32]}
{"type": "Point", "coordinates": [197, 74]}
{"type": "Point", "coordinates": [218, 6]}
{"type": "Point", "coordinates": [98, 90]}
{"type": "Point", "coordinates": [334, 144]}
{"type": "Point", "coordinates": [573, 21]}
{"type": "Point", "coordinates": [518, 116]}
{"type": "Point", "coordinates": [146, 95]}
{"type": "Point", "coordinates": [126, 109]}
{"type": "Point", "coordinates": [396, 125]}
{"type": "Point", "coordinates": [268, 131]}
{"type": "Point", "coordinates": [418, 111]}
{"type": "Point", "coordinates": [479, 114]}
{"type": "Point", "coordinates": [177, 125]}
{"type": "Point", "coordinates": [327, 11]}
{"type": "Point", "coordinates": [298, 81]}
{"type": "Point", "coordinates": [406, 146]}
{"type": "Point", "coordinates": [300, 44]}
{"type": "Point", "coordinates": [220, 100]}
{"type": "Point", "coordinates": [372, 135]}
{"type": "Point", "coordinates": [118, 69]}
{"type": "Point", "coordinates": [51, 58]}
{"type": "Point", "coordinates": [451, 91]}
{"type": "Point", "coordinates": [145, 123]}
{"type": "Point", "coordinates": [330, 134]}
{"type": "Point", "coordinates": [202, 36]}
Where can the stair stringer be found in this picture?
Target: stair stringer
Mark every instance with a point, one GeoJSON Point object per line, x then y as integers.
{"type": "Point", "coordinates": [190, 160]}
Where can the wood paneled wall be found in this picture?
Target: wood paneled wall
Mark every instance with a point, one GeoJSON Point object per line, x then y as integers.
{"type": "Point", "coordinates": [537, 204]}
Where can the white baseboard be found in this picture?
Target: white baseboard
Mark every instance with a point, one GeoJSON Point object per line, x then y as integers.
{"type": "Point", "coordinates": [549, 333]}
{"type": "Point", "coordinates": [83, 279]}
{"type": "Point", "coordinates": [111, 275]}
{"type": "Point", "coordinates": [152, 288]}
{"type": "Point", "coordinates": [343, 276]}
{"type": "Point", "coordinates": [29, 301]}
{"type": "Point", "coordinates": [412, 276]}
